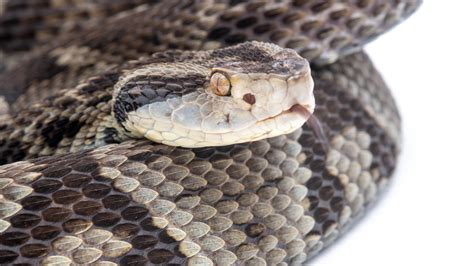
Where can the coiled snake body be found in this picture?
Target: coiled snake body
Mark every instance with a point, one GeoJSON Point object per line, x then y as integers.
{"type": "Point", "coordinates": [79, 186]}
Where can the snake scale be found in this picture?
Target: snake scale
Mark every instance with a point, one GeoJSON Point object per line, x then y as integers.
{"type": "Point", "coordinates": [79, 188]}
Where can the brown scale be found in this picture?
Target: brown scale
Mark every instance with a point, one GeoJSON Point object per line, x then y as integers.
{"type": "Point", "coordinates": [238, 201]}
{"type": "Point", "coordinates": [383, 146]}
{"type": "Point", "coordinates": [326, 193]}
{"type": "Point", "coordinates": [245, 183]}
{"type": "Point", "coordinates": [72, 196]}
{"type": "Point", "coordinates": [232, 205]}
{"type": "Point", "coordinates": [71, 206]}
{"type": "Point", "coordinates": [289, 27]}
{"type": "Point", "coordinates": [54, 131]}
{"type": "Point", "coordinates": [153, 29]}
{"type": "Point", "coordinates": [351, 68]}
{"type": "Point", "coordinates": [25, 24]}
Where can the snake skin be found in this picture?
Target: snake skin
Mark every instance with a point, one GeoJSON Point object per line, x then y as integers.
{"type": "Point", "coordinates": [280, 200]}
{"type": "Point", "coordinates": [26, 23]}
{"type": "Point", "coordinates": [320, 31]}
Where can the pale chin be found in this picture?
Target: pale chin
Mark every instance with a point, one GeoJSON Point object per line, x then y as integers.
{"type": "Point", "coordinates": [280, 125]}
{"type": "Point", "coordinates": [284, 123]}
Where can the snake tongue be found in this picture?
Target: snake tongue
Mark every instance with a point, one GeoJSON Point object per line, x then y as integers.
{"type": "Point", "coordinates": [301, 110]}
{"type": "Point", "coordinates": [313, 123]}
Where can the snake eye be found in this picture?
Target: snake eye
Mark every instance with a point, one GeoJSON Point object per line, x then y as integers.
{"type": "Point", "coordinates": [220, 84]}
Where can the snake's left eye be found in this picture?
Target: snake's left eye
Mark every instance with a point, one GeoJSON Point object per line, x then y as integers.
{"type": "Point", "coordinates": [220, 84]}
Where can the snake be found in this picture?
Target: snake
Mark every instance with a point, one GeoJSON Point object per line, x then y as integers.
{"type": "Point", "coordinates": [214, 132]}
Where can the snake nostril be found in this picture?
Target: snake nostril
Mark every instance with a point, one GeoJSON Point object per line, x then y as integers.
{"type": "Point", "coordinates": [249, 98]}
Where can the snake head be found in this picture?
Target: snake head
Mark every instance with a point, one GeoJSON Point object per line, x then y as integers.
{"type": "Point", "coordinates": [237, 94]}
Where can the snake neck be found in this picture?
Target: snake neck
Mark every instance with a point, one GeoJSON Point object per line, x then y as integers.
{"type": "Point", "coordinates": [79, 119]}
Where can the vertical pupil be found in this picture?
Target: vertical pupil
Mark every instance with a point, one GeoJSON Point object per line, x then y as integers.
{"type": "Point", "coordinates": [219, 85]}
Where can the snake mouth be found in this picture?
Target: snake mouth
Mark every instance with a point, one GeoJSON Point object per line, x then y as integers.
{"type": "Point", "coordinates": [284, 122]}
{"type": "Point", "coordinates": [313, 123]}
{"type": "Point", "coordinates": [305, 111]}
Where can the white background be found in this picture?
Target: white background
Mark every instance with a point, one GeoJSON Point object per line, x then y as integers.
{"type": "Point", "coordinates": [426, 216]}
